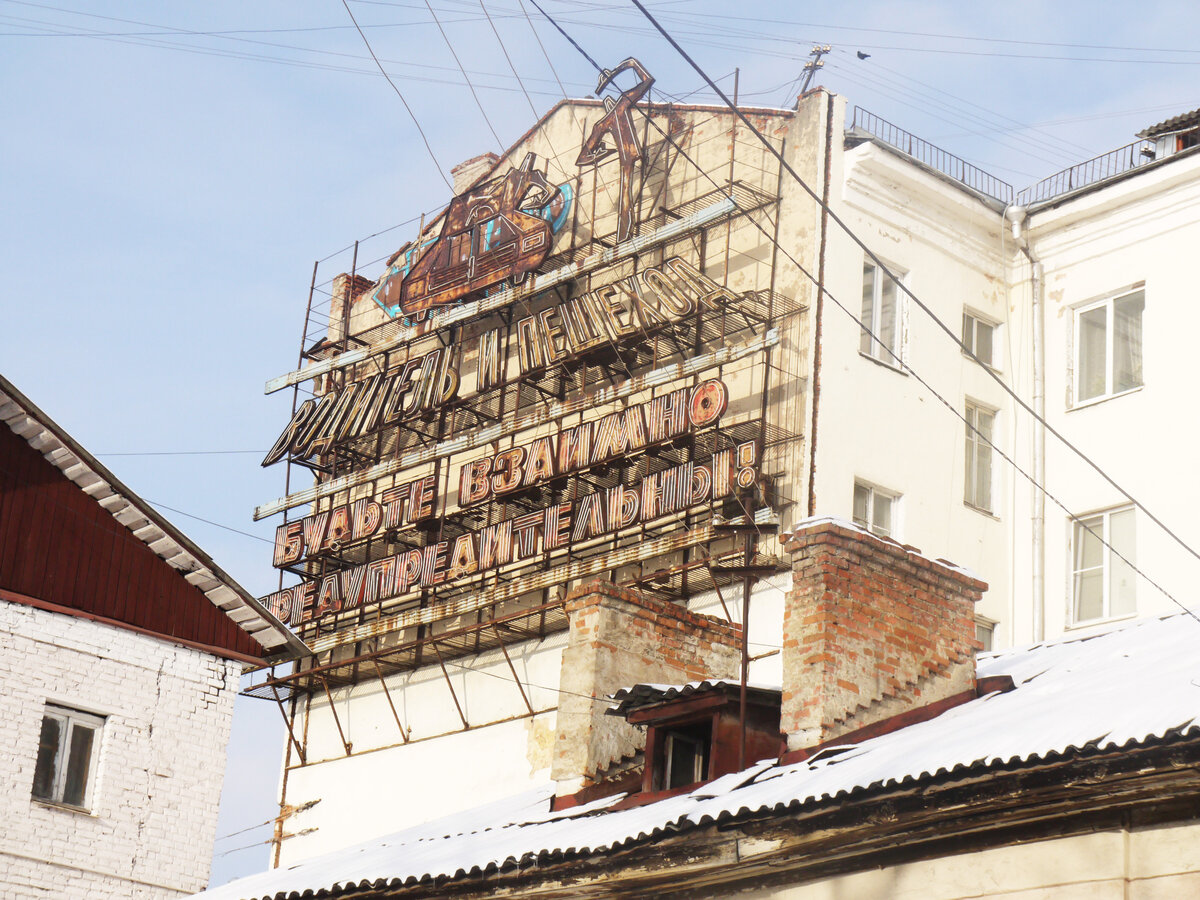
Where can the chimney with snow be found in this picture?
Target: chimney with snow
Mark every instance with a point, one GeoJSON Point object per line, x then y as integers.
{"type": "Point", "coordinates": [871, 630]}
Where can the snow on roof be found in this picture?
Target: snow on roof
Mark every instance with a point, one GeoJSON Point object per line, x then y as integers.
{"type": "Point", "coordinates": [1127, 687]}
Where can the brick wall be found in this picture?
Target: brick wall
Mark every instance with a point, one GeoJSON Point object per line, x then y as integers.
{"type": "Point", "coordinates": [162, 759]}
{"type": "Point", "coordinates": [870, 629]}
{"type": "Point", "coordinates": [618, 638]}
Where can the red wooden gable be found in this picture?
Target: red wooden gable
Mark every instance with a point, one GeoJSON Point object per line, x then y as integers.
{"type": "Point", "coordinates": [59, 547]}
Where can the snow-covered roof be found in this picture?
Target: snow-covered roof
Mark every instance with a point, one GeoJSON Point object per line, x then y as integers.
{"type": "Point", "coordinates": [1130, 687]}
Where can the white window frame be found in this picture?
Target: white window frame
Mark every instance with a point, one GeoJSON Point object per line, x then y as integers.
{"type": "Point", "coordinates": [869, 346]}
{"type": "Point", "coordinates": [1106, 561]}
{"type": "Point", "coordinates": [976, 320]}
{"type": "Point", "coordinates": [71, 718]}
{"type": "Point", "coordinates": [1108, 304]}
{"type": "Point", "coordinates": [874, 492]}
{"type": "Point", "coordinates": [970, 459]}
{"type": "Point", "coordinates": [983, 623]}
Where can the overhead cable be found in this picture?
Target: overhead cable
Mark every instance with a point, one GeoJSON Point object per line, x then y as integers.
{"type": "Point", "coordinates": [920, 303]}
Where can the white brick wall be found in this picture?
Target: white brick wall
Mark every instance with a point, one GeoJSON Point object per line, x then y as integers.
{"type": "Point", "coordinates": [162, 759]}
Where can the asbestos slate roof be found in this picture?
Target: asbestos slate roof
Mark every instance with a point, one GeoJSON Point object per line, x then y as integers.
{"type": "Point", "coordinates": [1175, 123]}
{"type": "Point", "coordinates": [1129, 687]}
{"type": "Point", "coordinates": [631, 698]}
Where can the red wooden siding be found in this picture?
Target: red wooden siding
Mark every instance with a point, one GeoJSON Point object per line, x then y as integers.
{"type": "Point", "coordinates": [58, 545]}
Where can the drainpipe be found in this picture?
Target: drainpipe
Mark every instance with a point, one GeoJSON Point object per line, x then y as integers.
{"type": "Point", "coordinates": [1018, 216]}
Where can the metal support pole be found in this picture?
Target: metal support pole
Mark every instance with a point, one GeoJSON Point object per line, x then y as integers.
{"type": "Point", "coordinates": [449, 684]}
{"type": "Point", "coordinates": [388, 694]}
{"type": "Point", "coordinates": [747, 558]}
{"type": "Point", "coordinates": [288, 724]}
{"type": "Point", "coordinates": [512, 668]}
{"type": "Point", "coordinates": [336, 721]}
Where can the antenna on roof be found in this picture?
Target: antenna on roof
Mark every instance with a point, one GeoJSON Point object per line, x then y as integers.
{"type": "Point", "coordinates": [810, 67]}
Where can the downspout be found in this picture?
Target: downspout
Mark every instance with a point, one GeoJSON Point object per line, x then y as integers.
{"type": "Point", "coordinates": [1018, 217]}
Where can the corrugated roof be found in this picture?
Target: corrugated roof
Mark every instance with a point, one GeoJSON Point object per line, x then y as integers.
{"type": "Point", "coordinates": [1175, 123]}
{"type": "Point", "coordinates": [1129, 687]}
{"type": "Point", "coordinates": [169, 544]}
{"type": "Point", "coordinates": [639, 695]}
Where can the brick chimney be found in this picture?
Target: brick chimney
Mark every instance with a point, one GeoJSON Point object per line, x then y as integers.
{"type": "Point", "coordinates": [346, 289]}
{"type": "Point", "coordinates": [871, 629]}
{"type": "Point", "coordinates": [469, 171]}
{"type": "Point", "coordinates": [618, 638]}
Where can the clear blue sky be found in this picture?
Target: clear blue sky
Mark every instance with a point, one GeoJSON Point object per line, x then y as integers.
{"type": "Point", "coordinates": [169, 173]}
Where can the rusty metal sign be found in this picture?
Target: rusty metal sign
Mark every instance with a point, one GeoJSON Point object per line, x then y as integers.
{"type": "Point", "coordinates": [533, 286]}
{"type": "Point", "coordinates": [490, 233]}
{"type": "Point", "coordinates": [509, 590]}
{"type": "Point", "coordinates": [539, 416]}
{"type": "Point", "coordinates": [636, 305]}
{"type": "Point", "coordinates": [622, 139]}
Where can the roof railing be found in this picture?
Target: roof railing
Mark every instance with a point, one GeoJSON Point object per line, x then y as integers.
{"type": "Point", "coordinates": [935, 157]}
{"type": "Point", "coordinates": [1109, 165]}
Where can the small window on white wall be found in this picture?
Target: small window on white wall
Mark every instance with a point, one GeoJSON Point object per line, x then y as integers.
{"type": "Point", "coordinates": [68, 747]}
{"type": "Point", "coordinates": [981, 430]}
{"type": "Point", "coordinates": [1108, 346]}
{"type": "Point", "coordinates": [882, 335]}
{"type": "Point", "coordinates": [875, 509]}
{"type": "Point", "coordinates": [1103, 583]}
{"type": "Point", "coordinates": [979, 336]}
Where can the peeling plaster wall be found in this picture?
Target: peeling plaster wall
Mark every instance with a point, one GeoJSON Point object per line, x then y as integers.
{"type": "Point", "coordinates": [387, 784]}
{"type": "Point", "coordinates": [162, 759]}
{"type": "Point", "coordinates": [1146, 863]}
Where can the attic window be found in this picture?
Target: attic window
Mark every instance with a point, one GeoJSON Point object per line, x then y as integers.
{"type": "Point", "coordinates": [686, 751]}
{"type": "Point", "coordinates": [1187, 139]}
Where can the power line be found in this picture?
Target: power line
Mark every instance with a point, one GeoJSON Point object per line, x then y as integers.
{"type": "Point", "coordinates": [508, 59]}
{"type": "Point", "coordinates": [921, 304]}
{"type": "Point", "coordinates": [465, 76]}
{"type": "Point", "coordinates": [900, 362]}
{"type": "Point", "coordinates": [411, 115]}
{"type": "Point", "coordinates": [179, 452]}
{"type": "Point", "coordinates": [210, 522]}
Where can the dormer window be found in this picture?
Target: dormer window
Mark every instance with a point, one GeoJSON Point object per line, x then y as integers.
{"type": "Point", "coordinates": [686, 753]}
{"type": "Point", "coordinates": [693, 731]}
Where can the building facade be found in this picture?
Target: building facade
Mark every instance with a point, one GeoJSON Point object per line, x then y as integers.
{"type": "Point", "coordinates": [636, 348]}
{"type": "Point", "coordinates": [121, 650]}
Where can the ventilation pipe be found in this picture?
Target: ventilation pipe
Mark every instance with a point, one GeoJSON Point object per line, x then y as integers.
{"type": "Point", "coordinates": [1018, 217]}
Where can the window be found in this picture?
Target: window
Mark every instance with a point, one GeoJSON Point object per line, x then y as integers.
{"type": "Point", "coordinates": [985, 633]}
{"type": "Point", "coordinates": [874, 509]}
{"type": "Point", "coordinates": [882, 315]}
{"type": "Point", "coordinates": [1103, 584]}
{"type": "Point", "coordinates": [66, 761]}
{"type": "Point", "coordinates": [685, 755]}
{"type": "Point", "coordinates": [981, 427]}
{"type": "Point", "coordinates": [979, 336]}
{"type": "Point", "coordinates": [1108, 346]}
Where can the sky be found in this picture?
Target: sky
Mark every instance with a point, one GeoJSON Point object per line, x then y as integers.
{"type": "Point", "coordinates": [169, 173]}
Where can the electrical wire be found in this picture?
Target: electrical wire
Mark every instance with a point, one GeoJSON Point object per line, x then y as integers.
{"type": "Point", "coordinates": [466, 77]}
{"type": "Point", "coordinates": [508, 58]}
{"type": "Point", "coordinates": [921, 304]}
{"type": "Point", "coordinates": [411, 114]}
{"type": "Point", "coordinates": [900, 362]}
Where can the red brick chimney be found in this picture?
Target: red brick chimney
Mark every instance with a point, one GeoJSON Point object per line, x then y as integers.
{"type": "Point", "coordinates": [871, 629]}
{"type": "Point", "coordinates": [618, 638]}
